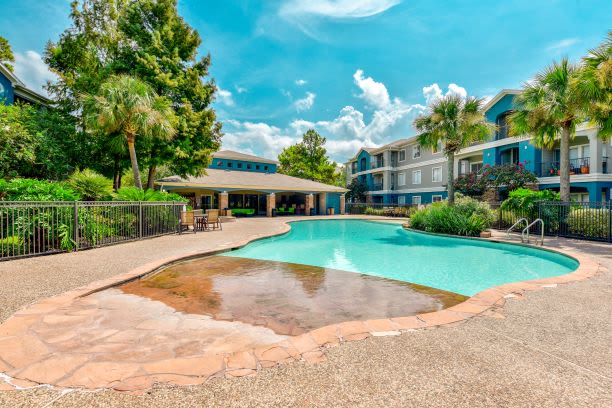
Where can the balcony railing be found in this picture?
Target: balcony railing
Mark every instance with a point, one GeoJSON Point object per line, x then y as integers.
{"type": "Point", "coordinates": [576, 166]}
{"type": "Point", "coordinates": [377, 186]}
{"type": "Point", "coordinates": [378, 164]}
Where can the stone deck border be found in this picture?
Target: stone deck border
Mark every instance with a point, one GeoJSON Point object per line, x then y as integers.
{"type": "Point", "coordinates": [309, 347]}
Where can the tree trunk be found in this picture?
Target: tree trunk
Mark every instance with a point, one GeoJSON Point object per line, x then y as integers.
{"type": "Point", "coordinates": [564, 185]}
{"type": "Point", "coordinates": [450, 187]}
{"type": "Point", "coordinates": [117, 175]}
{"type": "Point", "coordinates": [151, 179]}
{"type": "Point", "coordinates": [132, 150]}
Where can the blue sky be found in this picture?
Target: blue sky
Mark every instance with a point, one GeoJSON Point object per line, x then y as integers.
{"type": "Point", "coordinates": [358, 71]}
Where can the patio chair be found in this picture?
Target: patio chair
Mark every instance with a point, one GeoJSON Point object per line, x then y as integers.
{"type": "Point", "coordinates": [213, 220]}
{"type": "Point", "coordinates": [187, 220]}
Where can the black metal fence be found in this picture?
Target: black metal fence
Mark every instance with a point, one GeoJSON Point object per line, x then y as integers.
{"type": "Point", "coordinates": [388, 210]}
{"type": "Point", "coordinates": [589, 221]}
{"type": "Point", "coordinates": [36, 228]}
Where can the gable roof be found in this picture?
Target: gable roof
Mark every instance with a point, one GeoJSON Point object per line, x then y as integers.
{"type": "Point", "coordinates": [248, 180]}
{"type": "Point", "coordinates": [21, 90]}
{"type": "Point", "coordinates": [499, 96]}
{"type": "Point", "coordinates": [232, 155]}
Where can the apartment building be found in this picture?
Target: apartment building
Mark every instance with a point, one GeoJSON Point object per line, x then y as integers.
{"type": "Point", "coordinates": [403, 172]}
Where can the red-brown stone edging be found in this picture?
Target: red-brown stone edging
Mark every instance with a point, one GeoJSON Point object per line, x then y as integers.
{"type": "Point", "coordinates": [25, 360]}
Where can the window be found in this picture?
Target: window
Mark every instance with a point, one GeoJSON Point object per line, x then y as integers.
{"type": "Point", "coordinates": [579, 197]}
{"type": "Point", "coordinates": [219, 163]}
{"type": "Point", "coordinates": [436, 175]}
{"type": "Point", "coordinates": [416, 200]}
{"type": "Point", "coordinates": [437, 148]}
{"type": "Point", "coordinates": [239, 165]}
{"type": "Point", "coordinates": [257, 167]}
{"type": "Point", "coordinates": [249, 166]}
{"type": "Point", "coordinates": [401, 200]}
{"type": "Point", "coordinates": [402, 155]}
{"type": "Point", "coordinates": [416, 177]}
{"type": "Point", "coordinates": [436, 198]}
{"type": "Point", "coordinates": [266, 168]}
{"type": "Point", "coordinates": [229, 164]}
{"type": "Point", "coordinates": [401, 179]}
{"type": "Point", "coordinates": [476, 167]}
{"type": "Point", "coordinates": [416, 151]}
{"type": "Point", "coordinates": [353, 167]}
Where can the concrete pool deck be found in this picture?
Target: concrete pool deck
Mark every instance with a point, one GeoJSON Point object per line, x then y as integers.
{"type": "Point", "coordinates": [48, 266]}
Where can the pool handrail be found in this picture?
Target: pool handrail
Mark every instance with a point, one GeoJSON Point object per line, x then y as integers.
{"type": "Point", "coordinates": [509, 230]}
{"type": "Point", "coordinates": [525, 232]}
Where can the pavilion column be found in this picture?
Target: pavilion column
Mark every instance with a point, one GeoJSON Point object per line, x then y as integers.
{"type": "Point", "coordinates": [270, 203]}
{"type": "Point", "coordinates": [309, 203]}
{"type": "Point", "coordinates": [223, 200]}
{"type": "Point", "coordinates": [342, 204]}
{"type": "Point", "coordinates": [322, 203]}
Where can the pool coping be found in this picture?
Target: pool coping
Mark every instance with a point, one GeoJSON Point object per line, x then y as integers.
{"type": "Point", "coordinates": [308, 347]}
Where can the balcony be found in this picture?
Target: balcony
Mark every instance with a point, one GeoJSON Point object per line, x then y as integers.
{"type": "Point", "coordinates": [377, 187]}
{"type": "Point", "coordinates": [577, 166]}
{"type": "Point", "coordinates": [377, 164]}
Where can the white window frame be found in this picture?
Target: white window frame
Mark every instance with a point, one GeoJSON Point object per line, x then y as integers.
{"type": "Point", "coordinates": [436, 196]}
{"type": "Point", "coordinates": [414, 173]}
{"type": "Point", "coordinates": [399, 155]}
{"type": "Point", "coordinates": [437, 148]}
{"type": "Point", "coordinates": [401, 200]}
{"type": "Point", "coordinates": [416, 200]}
{"type": "Point", "coordinates": [416, 151]}
{"type": "Point", "coordinates": [473, 163]}
{"type": "Point", "coordinates": [433, 180]}
{"type": "Point", "coordinates": [401, 179]}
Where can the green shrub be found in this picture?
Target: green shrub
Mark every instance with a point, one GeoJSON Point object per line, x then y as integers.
{"type": "Point", "coordinates": [525, 200]}
{"type": "Point", "coordinates": [36, 190]}
{"type": "Point", "coordinates": [91, 186]}
{"type": "Point", "coordinates": [374, 211]}
{"type": "Point", "coordinates": [11, 246]}
{"type": "Point", "coordinates": [468, 217]}
{"type": "Point", "coordinates": [588, 222]}
{"type": "Point", "coordinates": [243, 211]}
{"type": "Point", "coordinates": [136, 194]}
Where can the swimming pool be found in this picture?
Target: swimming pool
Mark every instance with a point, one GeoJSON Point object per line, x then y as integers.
{"type": "Point", "coordinates": [387, 250]}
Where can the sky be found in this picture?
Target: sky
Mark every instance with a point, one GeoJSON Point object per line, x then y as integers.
{"type": "Point", "coordinates": [357, 71]}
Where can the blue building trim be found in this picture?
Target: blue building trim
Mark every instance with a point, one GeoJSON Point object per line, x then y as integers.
{"type": "Point", "coordinates": [7, 94]}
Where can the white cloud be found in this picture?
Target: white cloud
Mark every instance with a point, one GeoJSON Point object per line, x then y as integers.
{"type": "Point", "coordinates": [433, 92]}
{"type": "Point", "coordinates": [33, 71]}
{"type": "Point", "coordinates": [343, 9]}
{"type": "Point", "coordinates": [256, 138]}
{"type": "Point", "coordinates": [240, 89]}
{"type": "Point", "coordinates": [305, 103]}
{"type": "Point", "coordinates": [300, 82]}
{"type": "Point", "coordinates": [561, 45]}
{"type": "Point", "coordinates": [225, 97]}
{"type": "Point", "coordinates": [374, 93]}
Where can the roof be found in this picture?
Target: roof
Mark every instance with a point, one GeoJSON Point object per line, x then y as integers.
{"type": "Point", "coordinates": [389, 146]}
{"type": "Point", "coordinates": [499, 96]}
{"type": "Point", "coordinates": [232, 155]}
{"type": "Point", "coordinates": [21, 90]}
{"type": "Point", "coordinates": [247, 180]}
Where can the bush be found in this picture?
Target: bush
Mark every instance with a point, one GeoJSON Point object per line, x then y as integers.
{"type": "Point", "coordinates": [11, 246]}
{"type": "Point", "coordinates": [91, 186]}
{"type": "Point", "coordinates": [468, 217]}
{"type": "Point", "coordinates": [588, 222]}
{"type": "Point", "coordinates": [374, 211]}
{"type": "Point", "coordinates": [136, 194]}
{"type": "Point", "coordinates": [36, 190]}
{"type": "Point", "coordinates": [524, 203]}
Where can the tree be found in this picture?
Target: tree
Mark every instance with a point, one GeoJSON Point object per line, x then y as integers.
{"type": "Point", "coordinates": [308, 160]}
{"type": "Point", "coordinates": [146, 39]}
{"type": "Point", "coordinates": [129, 107]}
{"type": "Point", "coordinates": [594, 84]}
{"type": "Point", "coordinates": [357, 191]}
{"type": "Point", "coordinates": [548, 108]}
{"type": "Point", "coordinates": [6, 53]}
{"type": "Point", "coordinates": [456, 123]}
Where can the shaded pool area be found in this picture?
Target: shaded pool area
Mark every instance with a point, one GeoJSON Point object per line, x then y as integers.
{"type": "Point", "coordinates": [287, 298]}
{"type": "Point", "coordinates": [386, 250]}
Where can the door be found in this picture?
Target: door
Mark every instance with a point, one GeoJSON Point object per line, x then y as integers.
{"type": "Point", "coordinates": [207, 202]}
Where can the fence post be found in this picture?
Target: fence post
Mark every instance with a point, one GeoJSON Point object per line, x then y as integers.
{"type": "Point", "coordinates": [610, 221]}
{"type": "Point", "coordinates": [76, 225]}
{"type": "Point", "coordinates": [140, 219]}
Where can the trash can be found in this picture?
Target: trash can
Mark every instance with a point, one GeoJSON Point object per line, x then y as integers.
{"type": "Point", "coordinates": [312, 211]}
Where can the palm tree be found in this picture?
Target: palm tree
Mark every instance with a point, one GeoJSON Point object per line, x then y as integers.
{"type": "Point", "coordinates": [455, 123]}
{"type": "Point", "coordinates": [548, 108]}
{"type": "Point", "coordinates": [128, 106]}
{"type": "Point", "coordinates": [594, 83]}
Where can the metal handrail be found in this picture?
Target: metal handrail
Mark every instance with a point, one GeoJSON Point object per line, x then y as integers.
{"type": "Point", "coordinates": [525, 232]}
{"type": "Point", "coordinates": [509, 230]}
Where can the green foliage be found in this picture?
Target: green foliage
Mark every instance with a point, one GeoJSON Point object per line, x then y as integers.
{"type": "Point", "coordinates": [18, 140]}
{"type": "Point", "coordinates": [508, 176]}
{"type": "Point", "coordinates": [136, 194]}
{"type": "Point", "coordinates": [91, 186]}
{"type": "Point", "coordinates": [11, 246]}
{"type": "Point", "coordinates": [374, 211]}
{"type": "Point", "coordinates": [308, 160]}
{"type": "Point", "coordinates": [524, 203]}
{"type": "Point", "coordinates": [6, 53]}
{"type": "Point", "coordinates": [468, 217]}
{"type": "Point", "coordinates": [36, 190]}
{"type": "Point", "coordinates": [455, 123]}
{"type": "Point", "coordinates": [243, 211]}
{"type": "Point", "coordinates": [587, 222]}
{"type": "Point", "coordinates": [357, 191]}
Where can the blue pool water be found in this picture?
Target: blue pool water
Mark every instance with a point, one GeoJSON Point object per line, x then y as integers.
{"type": "Point", "coordinates": [457, 265]}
